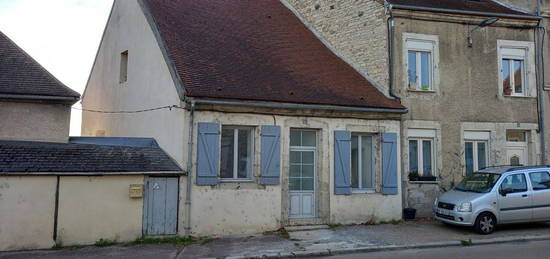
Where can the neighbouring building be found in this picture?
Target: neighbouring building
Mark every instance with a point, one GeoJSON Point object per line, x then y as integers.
{"type": "Point", "coordinates": [72, 191]}
{"type": "Point", "coordinates": [273, 127]}
{"type": "Point", "coordinates": [466, 71]}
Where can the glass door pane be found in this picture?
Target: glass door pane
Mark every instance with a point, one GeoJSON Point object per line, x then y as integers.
{"type": "Point", "coordinates": [481, 155]}
{"type": "Point", "coordinates": [427, 157]}
{"type": "Point", "coordinates": [469, 154]}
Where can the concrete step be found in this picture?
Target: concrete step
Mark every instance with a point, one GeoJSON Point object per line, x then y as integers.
{"type": "Point", "coordinates": [306, 228]}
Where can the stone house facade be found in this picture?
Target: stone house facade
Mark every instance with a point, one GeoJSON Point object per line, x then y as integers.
{"type": "Point", "coordinates": [463, 113]}
{"type": "Point", "coordinates": [267, 120]}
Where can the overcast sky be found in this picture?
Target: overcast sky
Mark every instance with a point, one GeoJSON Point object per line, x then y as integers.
{"type": "Point", "coordinates": [62, 35]}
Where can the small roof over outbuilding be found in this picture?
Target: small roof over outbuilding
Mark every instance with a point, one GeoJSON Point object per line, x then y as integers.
{"type": "Point", "coordinates": [82, 157]}
{"type": "Point", "coordinates": [21, 77]}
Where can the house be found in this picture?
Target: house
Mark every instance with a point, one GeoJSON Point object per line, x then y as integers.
{"type": "Point", "coordinates": [66, 191]}
{"type": "Point", "coordinates": [465, 69]}
{"type": "Point", "coordinates": [274, 128]}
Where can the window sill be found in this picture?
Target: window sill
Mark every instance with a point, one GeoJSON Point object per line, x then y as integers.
{"type": "Point", "coordinates": [424, 182]}
{"type": "Point", "coordinates": [365, 191]}
{"type": "Point", "coordinates": [518, 96]}
{"type": "Point", "coordinates": [421, 91]}
{"type": "Point", "coordinates": [236, 181]}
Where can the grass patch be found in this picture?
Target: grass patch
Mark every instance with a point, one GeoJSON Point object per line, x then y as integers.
{"type": "Point", "coordinates": [466, 242]}
{"type": "Point", "coordinates": [57, 246]}
{"type": "Point", "coordinates": [77, 246]}
{"type": "Point", "coordinates": [335, 225]}
{"type": "Point", "coordinates": [104, 242]}
{"type": "Point", "coordinates": [176, 240]}
{"type": "Point", "coordinates": [206, 240]}
{"type": "Point", "coordinates": [284, 234]}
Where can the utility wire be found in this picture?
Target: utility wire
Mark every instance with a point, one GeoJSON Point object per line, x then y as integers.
{"type": "Point", "coordinates": [170, 107]}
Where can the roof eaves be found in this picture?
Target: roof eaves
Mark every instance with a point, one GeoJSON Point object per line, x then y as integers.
{"type": "Point", "coordinates": [99, 173]}
{"type": "Point", "coordinates": [67, 99]}
{"type": "Point", "coordinates": [163, 48]}
{"type": "Point", "coordinates": [445, 10]}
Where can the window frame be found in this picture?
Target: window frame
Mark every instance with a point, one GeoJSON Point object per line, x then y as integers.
{"type": "Point", "coordinates": [360, 188]}
{"type": "Point", "coordinates": [512, 59]}
{"type": "Point", "coordinates": [420, 153]}
{"type": "Point", "coordinates": [517, 50]}
{"type": "Point", "coordinates": [500, 189]}
{"type": "Point", "coordinates": [531, 181]}
{"type": "Point", "coordinates": [475, 153]}
{"type": "Point", "coordinates": [421, 43]}
{"type": "Point", "coordinates": [235, 158]}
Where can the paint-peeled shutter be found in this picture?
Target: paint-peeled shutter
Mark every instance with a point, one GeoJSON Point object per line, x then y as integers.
{"type": "Point", "coordinates": [389, 163]}
{"type": "Point", "coordinates": [208, 153]}
{"type": "Point", "coordinates": [270, 154]}
{"type": "Point", "coordinates": [342, 162]}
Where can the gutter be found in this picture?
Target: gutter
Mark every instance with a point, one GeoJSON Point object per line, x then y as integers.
{"type": "Point", "coordinates": [276, 105]}
{"type": "Point", "coordinates": [189, 170]}
{"type": "Point", "coordinates": [91, 173]}
{"type": "Point", "coordinates": [444, 10]}
{"type": "Point", "coordinates": [39, 97]}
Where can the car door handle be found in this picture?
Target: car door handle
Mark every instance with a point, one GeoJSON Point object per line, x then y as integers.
{"type": "Point", "coordinates": [524, 195]}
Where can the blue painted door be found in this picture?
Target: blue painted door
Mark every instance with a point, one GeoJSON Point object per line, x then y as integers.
{"type": "Point", "coordinates": [160, 206]}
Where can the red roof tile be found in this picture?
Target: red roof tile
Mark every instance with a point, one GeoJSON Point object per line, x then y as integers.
{"type": "Point", "coordinates": [487, 6]}
{"type": "Point", "coordinates": [20, 74]}
{"type": "Point", "coordinates": [256, 50]}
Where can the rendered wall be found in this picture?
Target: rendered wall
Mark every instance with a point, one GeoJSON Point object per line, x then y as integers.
{"type": "Point", "coordinates": [27, 206]}
{"type": "Point", "coordinates": [34, 121]}
{"type": "Point", "coordinates": [97, 207]}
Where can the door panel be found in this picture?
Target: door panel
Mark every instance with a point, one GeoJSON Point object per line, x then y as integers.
{"type": "Point", "coordinates": [161, 206]}
{"type": "Point", "coordinates": [302, 175]}
{"type": "Point", "coordinates": [540, 182]}
{"type": "Point", "coordinates": [516, 206]}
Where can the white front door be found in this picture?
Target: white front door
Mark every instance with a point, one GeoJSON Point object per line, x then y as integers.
{"type": "Point", "coordinates": [516, 153]}
{"type": "Point", "coordinates": [301, 175]}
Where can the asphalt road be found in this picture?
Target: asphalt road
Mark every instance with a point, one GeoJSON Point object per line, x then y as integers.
{"type": "Point", "coordinates": [523, 250]}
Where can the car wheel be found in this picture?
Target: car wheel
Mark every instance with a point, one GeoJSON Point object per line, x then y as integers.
{"type": "Point", "coordinates": [485, 223]}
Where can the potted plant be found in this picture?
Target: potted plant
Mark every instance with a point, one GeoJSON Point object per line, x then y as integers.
{"type": "Point", "coordinates": [427, 178]}
{"type": "Point", "coordinates": [508, 90]}
{"type": "Point", "coordinates": [413, 176]}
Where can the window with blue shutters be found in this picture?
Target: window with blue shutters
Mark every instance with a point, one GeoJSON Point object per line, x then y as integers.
{"type": "Point", "coordinates": [270, 154]}
{"type": "Point", "coordinates": [342, 162]}
{"type": "Point", "coordinates": [208, 153]}
{"type": "Point", "coordinates": [389, 164]}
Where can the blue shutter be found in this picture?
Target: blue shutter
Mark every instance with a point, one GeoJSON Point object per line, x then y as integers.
{"type": "Point", "coordinates": [389, 163]}
{"type": "Point", "coordinates": [208, 153]}
{"type": "Point", "coordinates": [270, 155]}
{"type": "Point", "coordinates": [342, 162]}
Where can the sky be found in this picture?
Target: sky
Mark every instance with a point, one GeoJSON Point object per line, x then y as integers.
{"type": "Point", "coordinates": [62, 35]}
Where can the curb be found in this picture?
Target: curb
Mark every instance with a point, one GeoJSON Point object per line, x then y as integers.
{"type": "Point", "coordinates": [368, 249]}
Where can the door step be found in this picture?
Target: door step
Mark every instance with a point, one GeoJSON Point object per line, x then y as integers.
{"type": "Point", "coordinates": [306, 228]}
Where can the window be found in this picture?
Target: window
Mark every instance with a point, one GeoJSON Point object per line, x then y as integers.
{"type": "Point", "coordinates": [515, 136]}
{"type": "Point", "coordinates": [516, 61]}
{"type": "Point", "coordinates": [362, 162]}
{"type": "Point", "coordinates": [124, 66]}
{"type": "Point", "coordinates": [421, 58]}
{"type": "Point", "coordinates": [421, 156]}
{"type": "Point", "coordinates": [514, 183]}
{"type": "Point", "coordinates": [236, 153]}
{"type": "Point", "coordinates": [302, 160]}
{"type": "Point", "coordinates": [513, 72]}
{"type": "Point", "coordinates": [540, 180]}
{"type": "Point", "coordinates": [475, 153]}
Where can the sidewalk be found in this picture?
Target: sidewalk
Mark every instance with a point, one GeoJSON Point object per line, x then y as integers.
{"type": "Point", "coordinates": [337, 240]}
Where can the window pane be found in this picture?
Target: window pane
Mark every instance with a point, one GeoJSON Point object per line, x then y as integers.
{"type": "Point", "coordinates": [469, 154]}
{"type": "Point", "coordinates": [308, 138]}
{"type": "Point", "coordinates": [294, 184]}
{"type": "Point", "coordinates": [514, 183]}
{"type": "Point", "coordinates": [307, 170]}
{"type": "Point", "coordinates": [540, 180]}
{"type": "Point", "coordinates": [244, 153]}
{"type": "Point", "coordinates": [425, 61]}
{"type": "Point", "coordinates": [518, 73]}
{"type": "Point", "coordinates": [295, 157]}
{"type": "Point", "coordinates": [295, 138]}
{"type": "Point", "coordinates": [307, 157]}
{"type": "Point", "coordinates": [506, 77]}
{"type": "Point", "coordinates": [413, 156]}
{"type": "Point", "coordinates": [307, 184]}
{"type": "Point", "coordinates": [354, 162]}
{"type": "Point", "coordinates": [481, 155]}
{"type": "Point", "coordinates": [227, 145]}
{"type": "Point", "coordinates": [295, 170]}
{"type": "Point", "coordinates": [412, 68]}
{"type": "Point", "coordinates": [367, 173]}
{"type": "Point", "coordinates": [515, 135]}
{"type": "Point", "coordinates": [427, 157]}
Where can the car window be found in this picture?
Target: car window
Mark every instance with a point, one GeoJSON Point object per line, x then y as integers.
{"type": "Point", "coordinates": [514, 183]}
{"type": "Point", "coordinates": [540, 180]}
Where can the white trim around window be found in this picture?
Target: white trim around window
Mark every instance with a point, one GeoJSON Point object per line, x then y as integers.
{"type": "Point", "coordinates": [421, 62]}
{"type": "Point", "coordinates": [422, 156]}
{"type": "Point", "coordinates": [516, 68]}
{"type": "Point", "coordinates": [237, 153]}
{"type": "Point", "coordinates": [363, 157]}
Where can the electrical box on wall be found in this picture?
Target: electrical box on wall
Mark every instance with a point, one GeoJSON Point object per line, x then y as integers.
{"type": "Point", "coordinates": [136, 190]}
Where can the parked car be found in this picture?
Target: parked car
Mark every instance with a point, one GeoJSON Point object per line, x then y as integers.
{"type": "Point", "coordinates": [497, 195]}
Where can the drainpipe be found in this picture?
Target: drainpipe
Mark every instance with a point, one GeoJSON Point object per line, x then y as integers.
{"type": "Point", "coordinates": [539, 59]}
{"type": "Point", "coordinates": [189, 170]}
{"type": "Point", "coordinates": [390, 25]}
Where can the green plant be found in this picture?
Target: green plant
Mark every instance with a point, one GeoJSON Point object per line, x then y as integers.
{"type": "Point", "coordinates": [58, 245]}
{"type": "Point", "coordinates": [77, 246]}
{"type": "Point", "coordinates": [335, 225]}
{"type": "Point", "coordinates": [104, 242]}
{"type": "Point", "coordinates": [176, 240]}
{"type": "Point", "coordinates": [296, 244]}
{"type": "Point", "coordinates": [466, 242]}
{"type": "Point", "coordinates": [284, 234]}
{"type": "Point", "coordinates": [425, 87]}
{"type": "Point", "coordinates": [206, 240]}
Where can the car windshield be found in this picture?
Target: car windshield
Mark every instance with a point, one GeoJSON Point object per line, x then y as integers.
{"type": "Point", "coordinates": [478, 182]}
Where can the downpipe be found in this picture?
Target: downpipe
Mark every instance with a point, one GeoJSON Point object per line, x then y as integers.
{"type": "Point", "coordinates": [189, 170]}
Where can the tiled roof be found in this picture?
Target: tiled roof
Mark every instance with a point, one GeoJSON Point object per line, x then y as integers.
{"type": "Point", "coordinates": [27, 157]}
{"type": "Point", "coordinates": [256, 50]}
{"type": "Point", "coordinates": [486, 6]}
{"type": "Point", "coordinates": [20, 74]}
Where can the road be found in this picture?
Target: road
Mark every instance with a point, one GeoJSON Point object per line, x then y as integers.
{"type": "Point", "coordinates": [524, 250]}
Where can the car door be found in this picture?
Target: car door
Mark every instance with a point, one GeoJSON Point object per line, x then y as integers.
{"type": "Point", "coordinates": [514, 199]}
{"type": "Point", "coordinates": [540, 182]}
